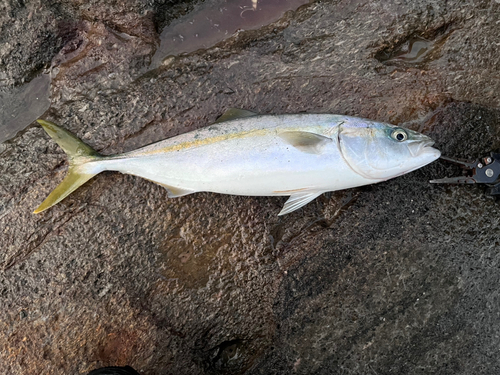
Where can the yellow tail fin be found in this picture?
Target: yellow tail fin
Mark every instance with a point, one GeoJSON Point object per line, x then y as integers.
{"type": "Point", "coordinates": [78, 154]}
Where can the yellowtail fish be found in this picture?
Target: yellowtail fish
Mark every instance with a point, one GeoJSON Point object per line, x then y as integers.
{"type": "Point", "coordinates": [301, 156]}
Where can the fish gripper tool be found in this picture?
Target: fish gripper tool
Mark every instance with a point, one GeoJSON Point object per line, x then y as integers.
{"type": "Point", "coordinates": [484, 170]}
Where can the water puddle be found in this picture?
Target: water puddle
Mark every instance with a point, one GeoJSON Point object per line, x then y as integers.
{"type": "Point", "coordinates": [22, 105]}
{"type": "Point", "coordinates": [214, 21]}
{"type": "Point", "coordinates": [415, 51]}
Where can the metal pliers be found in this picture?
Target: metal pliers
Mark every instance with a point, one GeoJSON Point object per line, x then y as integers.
{"type": "Point", "coordinates": [480, 171]}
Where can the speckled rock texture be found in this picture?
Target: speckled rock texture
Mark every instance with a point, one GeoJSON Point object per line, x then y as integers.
{"type": "Point", "coordinates": [402, 277]}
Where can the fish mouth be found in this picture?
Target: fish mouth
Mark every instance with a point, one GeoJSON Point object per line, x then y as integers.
{"type": "Point", "coordinates": [424, 154]}
{"type": "Point", "coordinates": [422, 147]}
{"type": "Point", "coordinates": [429, 143]}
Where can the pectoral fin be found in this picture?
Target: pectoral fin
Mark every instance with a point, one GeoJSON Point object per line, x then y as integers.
{"type": "Point", "coordinates": [298, 200]}
{"type": "Point", "coordinates": [234, 113]}
{"type": "Point", "coordinates": [310, 143]}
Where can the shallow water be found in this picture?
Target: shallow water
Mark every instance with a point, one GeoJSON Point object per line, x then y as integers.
{"type": "Point", "coordinates": [415, 50]}
{"type": "Point", "coordinates": [213, 22]}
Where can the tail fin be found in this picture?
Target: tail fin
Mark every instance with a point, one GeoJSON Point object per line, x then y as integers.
{"type": "Point", "coordinates": [78, 154]}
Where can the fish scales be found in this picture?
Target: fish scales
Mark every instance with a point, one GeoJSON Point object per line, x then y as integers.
{"type": "Point", "coordinates": [243, 157]}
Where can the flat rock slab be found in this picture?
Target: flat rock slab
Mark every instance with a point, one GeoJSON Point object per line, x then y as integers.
{"type": "Point", "coordinates": [399, 277]}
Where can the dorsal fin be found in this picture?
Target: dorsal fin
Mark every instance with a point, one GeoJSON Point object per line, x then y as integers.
{"type": "Point", "coordinates": [234, 113]}
{"type": "Point", "coordinates": [304, 141]}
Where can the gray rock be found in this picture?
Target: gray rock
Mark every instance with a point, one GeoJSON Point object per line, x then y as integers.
{"type": "Point", "coordinates": [399, 277]}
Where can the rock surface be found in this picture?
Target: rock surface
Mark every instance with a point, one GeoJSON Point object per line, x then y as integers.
{"type": "Point", "coordinates": [399, 277]}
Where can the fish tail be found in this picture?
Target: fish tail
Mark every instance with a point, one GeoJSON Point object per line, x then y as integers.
{"type": "Point", "coordinates": [79, 155]}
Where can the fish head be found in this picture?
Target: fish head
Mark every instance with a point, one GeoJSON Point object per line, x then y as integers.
{"type": "Point", "coordinates": [381, 151]}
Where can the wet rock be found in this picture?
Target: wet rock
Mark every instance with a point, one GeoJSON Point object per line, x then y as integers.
{"type": "Point", "coordinates": [73, 43]}
{"type": "Point", "coordinates": [33, 33]}
{"type": "Point", "coordinates": [399, 277]}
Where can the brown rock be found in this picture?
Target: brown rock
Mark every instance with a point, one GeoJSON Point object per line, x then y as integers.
{"type": "Point", "coordinates": [396, 278]}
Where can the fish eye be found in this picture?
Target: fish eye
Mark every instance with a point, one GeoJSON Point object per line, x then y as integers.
{"type": "Point", "coordinates": [399, 135]}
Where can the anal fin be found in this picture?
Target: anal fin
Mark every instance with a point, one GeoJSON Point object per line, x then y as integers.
{"type": "Point", "coordinates": [172, 191]}
{"type": "Point", "coordinates": [298, 200]}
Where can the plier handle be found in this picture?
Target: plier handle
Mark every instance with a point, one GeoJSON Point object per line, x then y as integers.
{"type": "Point", "coordinates": [484, 170]}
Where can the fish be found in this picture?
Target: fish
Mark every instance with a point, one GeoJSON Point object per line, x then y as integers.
{"type": "Point", "coordinates": [243, 153]}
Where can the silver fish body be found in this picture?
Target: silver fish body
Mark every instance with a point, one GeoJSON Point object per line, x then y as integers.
{"type": "Point", "coordinates": [301, 156]}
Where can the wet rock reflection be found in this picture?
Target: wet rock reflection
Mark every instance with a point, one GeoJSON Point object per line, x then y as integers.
{"type": "Point", "coordinates": [413, 51]}
{"type": "Point", "coordinates": [416, 50]}
{"type": "Point", "coordinates": [216, 20]}
{"type": "Point", "coordinates": [20, 106]}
